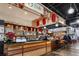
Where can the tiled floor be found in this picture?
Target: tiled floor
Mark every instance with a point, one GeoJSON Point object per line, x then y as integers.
{"type": "Point", "coordinates": [72, 50]}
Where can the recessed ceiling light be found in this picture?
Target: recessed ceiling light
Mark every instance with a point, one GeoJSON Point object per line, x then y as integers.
{"type": "Point", "coordinates": [10, 7]}
{"type": "Point", "coordinates": [25, 12]}
{"type": "Point", "coordinates": [71, 10]}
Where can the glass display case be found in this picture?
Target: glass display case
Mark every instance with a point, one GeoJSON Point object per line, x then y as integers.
{"type": "Point", "coordinates": [21, 39]}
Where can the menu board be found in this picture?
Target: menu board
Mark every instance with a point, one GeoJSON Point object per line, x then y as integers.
{"type": "Point", "coordinates": [1, 29]}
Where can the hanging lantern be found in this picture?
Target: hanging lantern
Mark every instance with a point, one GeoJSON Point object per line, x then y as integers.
{"type": "Point", "coordinates": [44, 21]}
{"type": "Point", "coordinates": [40, 29]}
{"type": "Point", "coordinates": [32, 29]}
{"type": "Point", "coordinates": [37, 23]}
{"type": "Point", "coordinates": [29, 29]}
{"type": "Point", "coordinates": [53, 17]}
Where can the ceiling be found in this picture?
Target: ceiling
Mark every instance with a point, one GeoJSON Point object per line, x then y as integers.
{"type": "Point", "coordinates": [16, 15]}
{"type": "Point", "coordinates": [62, 10]}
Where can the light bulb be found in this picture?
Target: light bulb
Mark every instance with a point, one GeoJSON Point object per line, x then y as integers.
{"type": "Point", "coordinates": [10, 7]}
{"type": "Point", "coordinates": [71, 10]}
{"type": "Point", "coordinates": [56, 25]}
{"type": "Point", "coordinates": [25, 12]}
{"type": "Point", "coordinates": [77, 21]}
{"type": "Point", "coordinates": [44, 27]}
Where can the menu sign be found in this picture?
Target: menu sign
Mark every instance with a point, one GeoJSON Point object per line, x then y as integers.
{"type": "Point", "coordinates": [1, 29]}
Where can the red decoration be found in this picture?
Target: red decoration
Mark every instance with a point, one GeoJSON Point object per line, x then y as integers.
{"type": "Point", "coordinates": [44, 21]}
{"type": "Point", "coordinates": [32, 29]}
{"type": "Point", "coordinates": [40, 29]}
{"type": "Point", "coordinates": [29, 29]}
{"type": "Point", "coordinates": [53, 17]}
{"type": "Point", "coordinates": [10, 35]}
{"type": "Point", "coordinates": [47, 30]}
{"type": "Point", "coordinates": [37, 23]}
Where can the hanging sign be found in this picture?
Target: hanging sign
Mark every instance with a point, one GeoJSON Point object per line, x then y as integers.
{"type": "Point", "coordinates": [36, 7]}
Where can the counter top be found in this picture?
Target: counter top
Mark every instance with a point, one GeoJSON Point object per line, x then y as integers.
{"type": "Point", "coordinates": [28, 48]}
{"type": "Point", "coordinates": [29, 42]}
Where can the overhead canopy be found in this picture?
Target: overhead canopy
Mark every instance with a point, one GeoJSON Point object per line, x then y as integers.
{"type": "Point", "coordinates": [16, 15]}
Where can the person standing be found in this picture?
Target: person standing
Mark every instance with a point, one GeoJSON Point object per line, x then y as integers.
{"type": "Point", "coordinates": [67, 38]}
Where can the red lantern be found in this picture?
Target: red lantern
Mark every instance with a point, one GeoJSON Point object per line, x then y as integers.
{"type": "Point", "coordinates": [44, 21]}
{"type": "Point", "coordinates": [53, 17]}
{"type": "Point", "coordinates": [32, 29]}
{"type": "Point", "coordinates": [29, 29]}
{"type": "Point", "coordinates": [40, 29]}
{"type": "Point", "coordinates": [37, 23]}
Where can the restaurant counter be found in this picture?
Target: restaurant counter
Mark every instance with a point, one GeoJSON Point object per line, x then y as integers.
{"type": "Point", "coordinates": [34, 48]}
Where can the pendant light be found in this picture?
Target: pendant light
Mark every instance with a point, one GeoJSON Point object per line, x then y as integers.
{"type": "Point", "coordinates": [57, 25]}
{"type": "Point", "coordinates": [77, 21]}
{"type": "Point", "coordinates": [44, 27]}
{"type": "Point", "coordinates": [71, 10]}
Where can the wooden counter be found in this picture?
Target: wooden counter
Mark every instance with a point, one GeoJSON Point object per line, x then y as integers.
{"type": "Point", "coordinates": [28, 49]}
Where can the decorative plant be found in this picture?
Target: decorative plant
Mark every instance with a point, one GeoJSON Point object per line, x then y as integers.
{"type": "Point", "coordinates": [9, 37]}
{"type": "Point", "coordinates": [5, 38]}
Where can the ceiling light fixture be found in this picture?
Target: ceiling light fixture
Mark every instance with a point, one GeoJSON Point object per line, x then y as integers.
{"type": "Point", "coordinates": [10, 7]}
{"type": "Point", "coordinates": [56, 25]}
{"type": "Point", "coordinates": [44, 27]}
{"type": "Point", "coordinates": [25, 12]}
{"type": "Point", "coordinates": [71, 10]}
{"type": "Point", "coordinates": [77, 21]}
